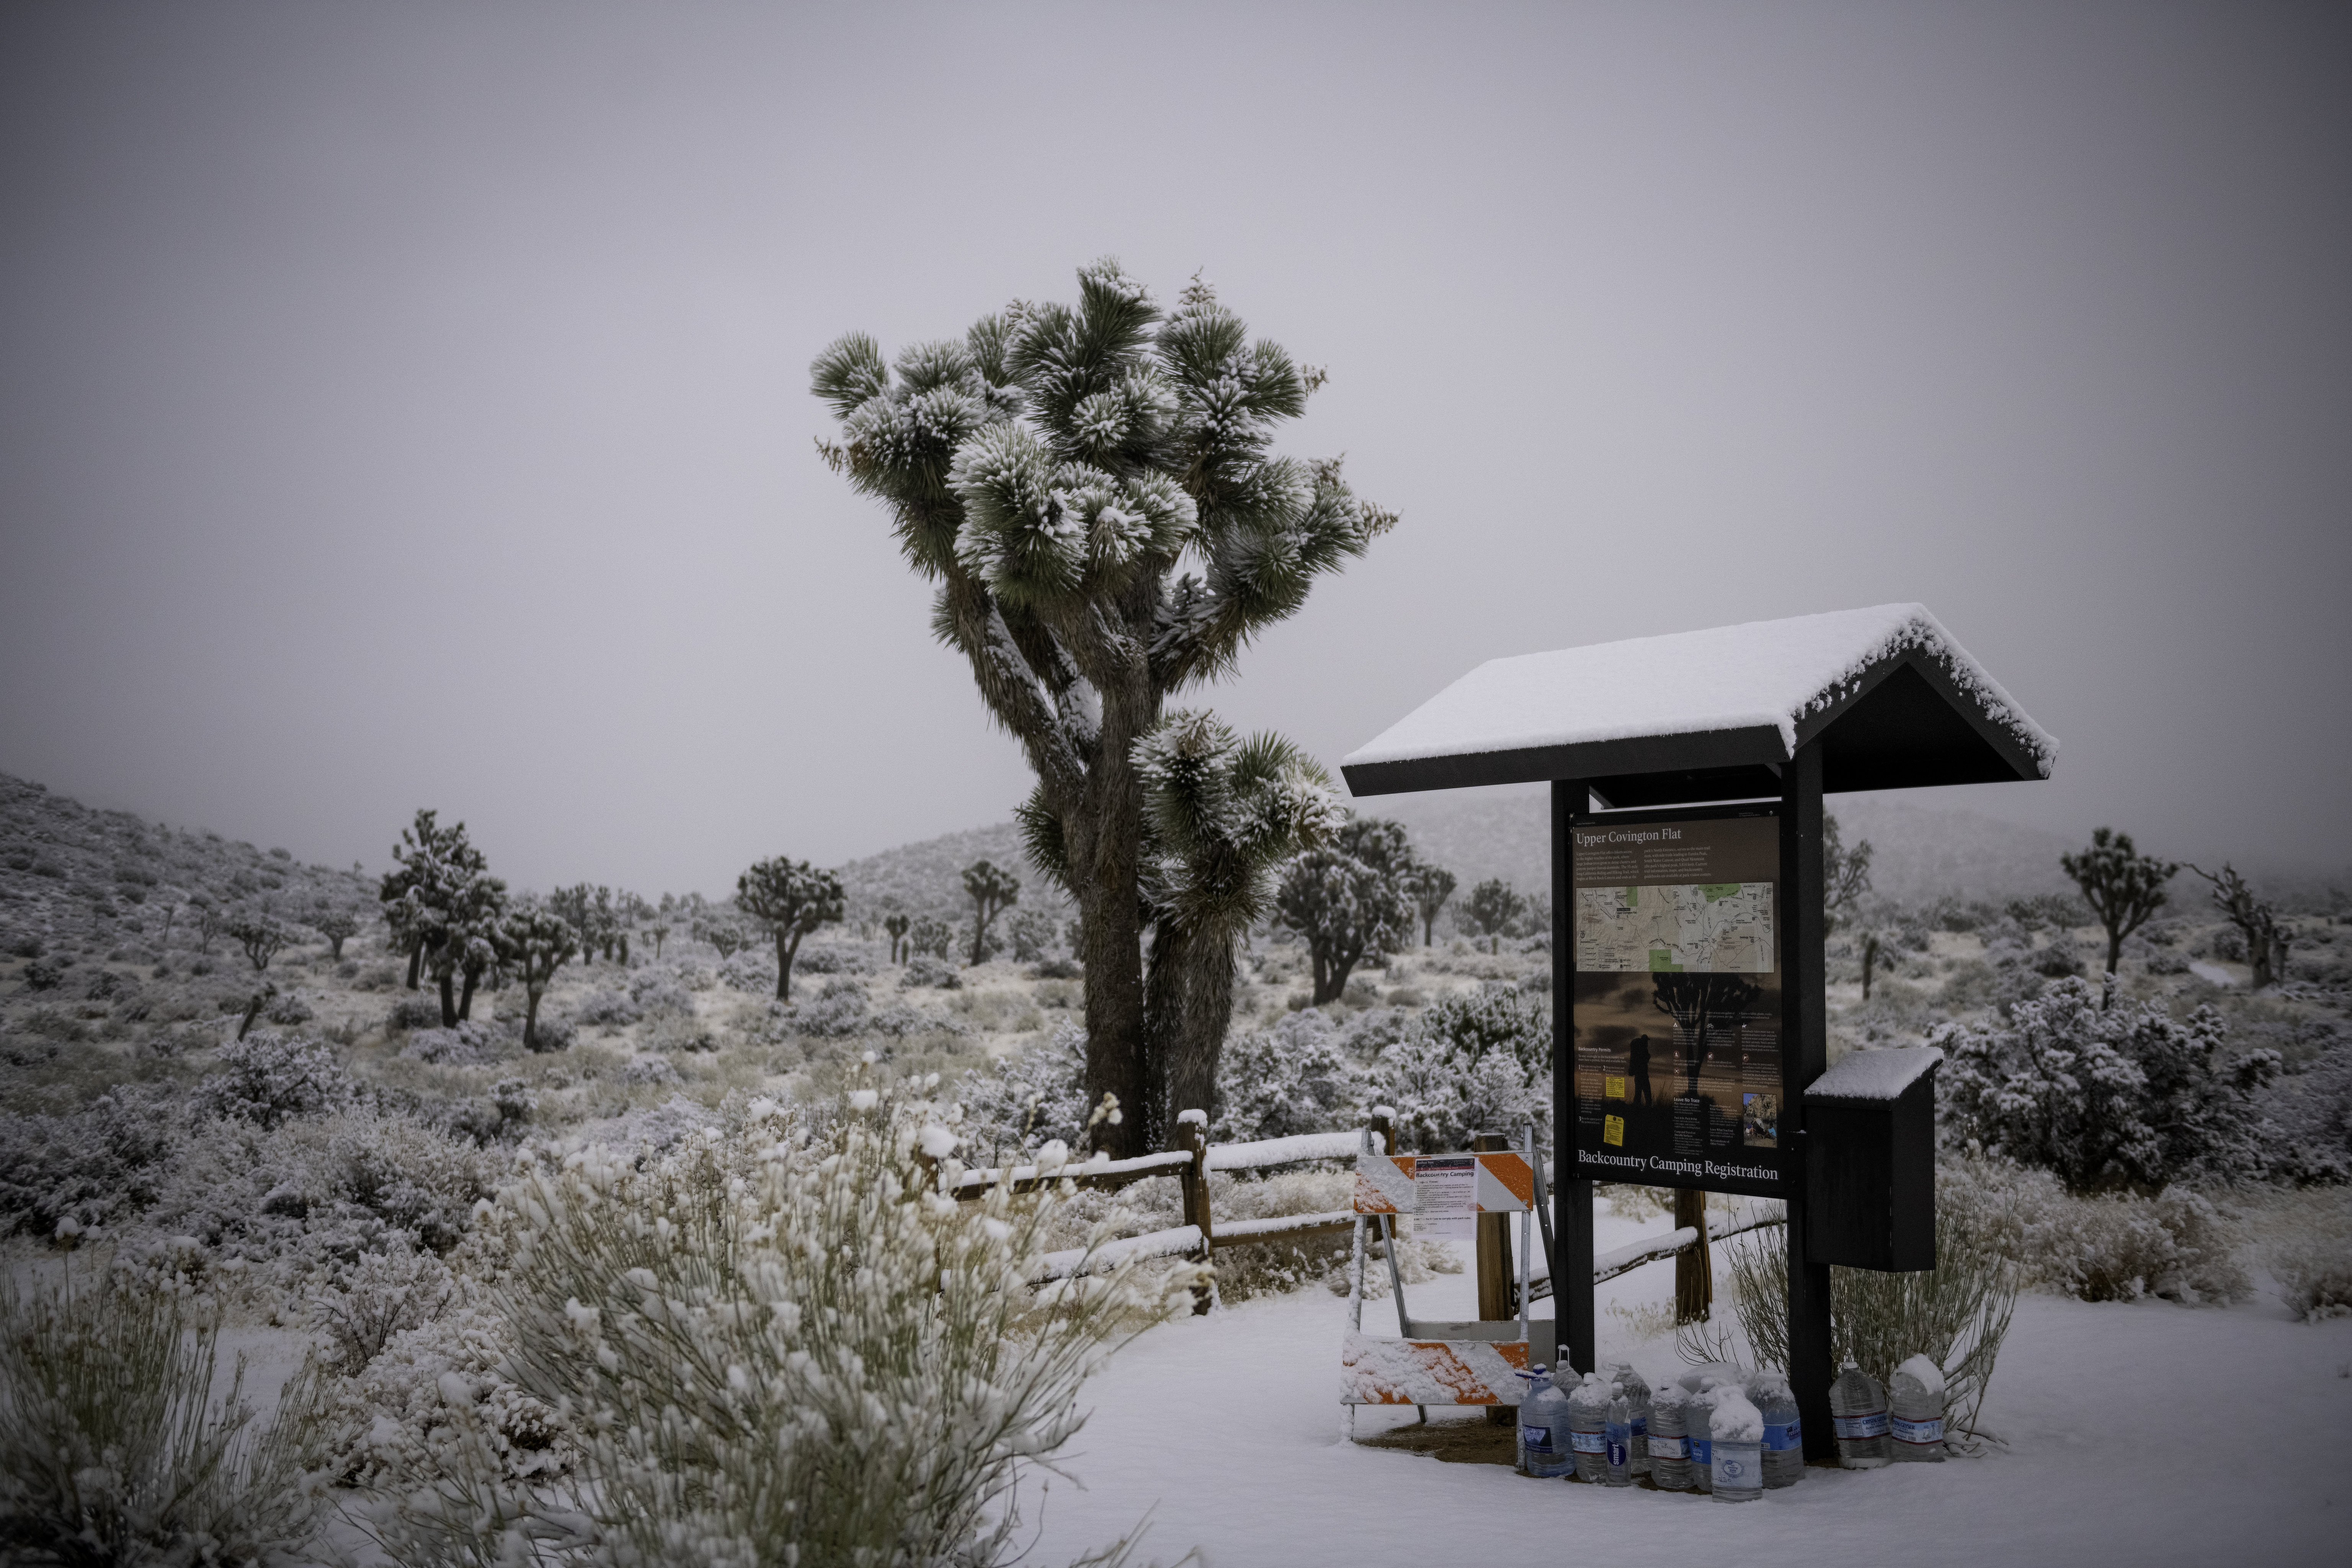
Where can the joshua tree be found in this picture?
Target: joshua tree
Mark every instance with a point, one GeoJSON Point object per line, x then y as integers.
{"type": "Point", "coordinates": [1056, 473]}
{"type": "Point", "coordinates": [537, 941]}
{"type": "Point", "coordinates": [1429, 887]}
{"type": "Point", "coordinates": [1490, 909]}
{"type": "Point", "coordinates": [659, 932]}
{"type": "Point", "coordinates": [930, 936]}
{"type": "Point", "coordinates": [260, 936]}
{"type": "Point", "coordinates": [991, 892]}
{"type": "Point", "coordinates": [2122, 886]}
{"type": "Point", "coordinates": [209, 921]}
{"type": "Point", "coordinates": [1347, 900]}
{"type": "Point", "coordinates": [443, 903]}
{"type": "Point", "coordinates": [791, 898]}
{"type": "Point", "coordinates": [337, 925]}
{"type": "Point", "coordinates": [896, 925]}
{"type": "Point", "coordinates": [2257, 921]}
{"type": "Point", "coordinates": [725, 934]}
{"type": "Point", "coordinates": [1845, 874]}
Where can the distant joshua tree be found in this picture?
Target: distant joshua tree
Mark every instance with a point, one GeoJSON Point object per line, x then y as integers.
{"type": "Point", "coordinates": [896, 926]}
{"type": "Point", "coordinates": [1347, 900]}
{"type": "Point", "coordinates": [791, 898]}
{"type": "Point", "coordinates": [1429, 887]}
{"type": "Point", "coordinates": [337, 926]}
{"type": "Point", "coordinates": [537, 941]}
{"type": "Point", "coordinates": [2257, 921]}
{"type": "Point", "coordinates": [1490, 909]}
{"type": "Point", "coordinates": [991, 892]}
{"type": "Point", "coordinates": [260, 936]}
{"type": "Point", "coordinates": [2122, 886]}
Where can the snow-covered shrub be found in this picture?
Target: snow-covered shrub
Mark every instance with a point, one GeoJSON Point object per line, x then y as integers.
{"type": "Point", "coordinates": [752, 970]}
{"type": "Point", "coordinates": [775, 1331]}
{"type": "Point", "coordinates": [1056, 969]}
{"type": "Point", "coordinates": [1292, 1078]}
{"type": "Point", "coordinates": [649, 1069]}
{"type": "Point", "coordinates": [469, 1044]}
{"type": "Point", "coordinates": [114, 1448]}
{"type": "Point", "coordinates": [286, 1008]}
{"type": "Point", "coordinates": [2127, 1096]}
{"type": "Point", "coordinates": [924, 969]}
{"type": "Point", "coordinates": [2314, 1270]}
{"type": "Point", "coordinates": [266, 1078]}
{"type": "Point", "coordinates": [680, 1032]}
{"type": "Point", "coordinates": [92, 1167]}
{"type": "Point", "coordinates": [377, 1296]}
{"type": "Point", "coordinates": [657, 991]}
{"type": "Point", "coordinates": [2115, 1247]}
{"type": "Point", "coordinates": [1030, 1099]}
{"type": "Point", "coordinates": [436, 1399]}
{"type": "Point", "coordinates": [839, 1009]}
{"type": "Point", "coordinates": [610, 1009]}
{"type": "Point", "coordinates": [1469, 1063]}
{"type": "Point", "coordinates": [413, 1013]}
{"type": "Point", "coordinates": [2313, 1110]}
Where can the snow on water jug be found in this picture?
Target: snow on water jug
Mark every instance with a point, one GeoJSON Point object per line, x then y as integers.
{"type": "Point", "coordinates": [1738, 1444]}
{"type": "Point", "coordinates": [1637, 1397]}
{"type": "Point", "coordinates": [1588, 1426]}
{"type": "Point", "coordinates": [1670, 1466]}
{"type": "Point", "coordinates": [1917, 1400]}
{"type": "Point", "coordinates": [1784, 1437]}
{"type": "Point", "coordinates": [1858, 1412]}
{"type": "Point", "coordinates": [1699, 1416]}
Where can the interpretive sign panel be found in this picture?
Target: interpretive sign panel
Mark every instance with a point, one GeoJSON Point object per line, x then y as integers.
{"type": "Point", "coordinates": [1675, 998]}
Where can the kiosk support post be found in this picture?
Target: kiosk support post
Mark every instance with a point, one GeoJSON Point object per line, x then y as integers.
{"type": "Point", "coordinates": [1571, 1259]}
{"type": "Point", "coordinates": [1804, 1057]}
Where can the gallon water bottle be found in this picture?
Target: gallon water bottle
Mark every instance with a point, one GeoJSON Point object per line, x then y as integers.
{"type": "Point", "coordinates": [1699, 1416]}
{"type": "Point", "coordinates": [1637, 1396]}
{"type": "Point", "coordinates": [1670, 1439]}
{"type": "Point", "coordinates": [1620, 1434]}
{"type": "Point", "coordinates": [1784, 1439]}
{"type": "Point", "coordinates": [1858, 1411]}
{"type": "Point", "coordinates": [1544, 1446]}
{"type": "Point", "coordinates": [1588, 1428]}
{"type": "Point", "coordinates": [1917, 1404]}
{"type": "Point", "coordinates": [1530, 1381]}
{"type": "Point", "coordinates": [1737, 1436]}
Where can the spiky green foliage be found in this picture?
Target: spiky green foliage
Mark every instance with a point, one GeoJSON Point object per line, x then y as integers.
{"type": "Point", "coordinates": [1093, 487]}
{"type": "Point", "coordinates": [1224, 815]}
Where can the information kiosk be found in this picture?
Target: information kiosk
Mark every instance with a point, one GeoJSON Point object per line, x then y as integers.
{"type": "Point", "coordinates": [1687, 772]}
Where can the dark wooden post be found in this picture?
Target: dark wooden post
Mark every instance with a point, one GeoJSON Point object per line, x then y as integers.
{"type": "Point", "coordinates": [1693, 1265]}
{"type": "Point", "coordinates": [1192, 1138]}
{"type": "Point", "coordinates": [1804, 1057]}
{"type": "Point", "coordinates": [1571, 1225]}
{"type": "Point", "coordinates": [1384, 1131]}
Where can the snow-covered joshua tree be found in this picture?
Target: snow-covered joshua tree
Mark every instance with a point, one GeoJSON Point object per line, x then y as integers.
{"type": "Point", "coordinates": [1092, 488]}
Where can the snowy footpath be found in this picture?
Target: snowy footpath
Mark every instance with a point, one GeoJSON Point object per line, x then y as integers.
{"type": "Point", "coordinates": [2141, 1433]}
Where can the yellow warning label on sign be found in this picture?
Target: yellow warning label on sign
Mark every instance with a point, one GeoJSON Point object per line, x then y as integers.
{"type": "Point", "coordinates": [1612, 1088]}
{"type": "Point", "coordinates": [1612, 1130]}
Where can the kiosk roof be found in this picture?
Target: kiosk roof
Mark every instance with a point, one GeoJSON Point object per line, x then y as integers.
{"type": "Point", "coordinates": [1711, 715]}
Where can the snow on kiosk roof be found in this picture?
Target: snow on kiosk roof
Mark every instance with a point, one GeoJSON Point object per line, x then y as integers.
{"type": "Point", "coordinates": [1712, 715]}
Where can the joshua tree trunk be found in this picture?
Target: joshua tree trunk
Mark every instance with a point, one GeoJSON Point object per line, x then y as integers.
{"type": "Point", "coordinates": [415, 964]}
{"type": "Point", "coordinates": [530, 1017]}
{"type": "Point", "coordinates": [787, 946]}
{"type": "Point", "coordinates": [466, 994]}
{"type": "Point", "coordinates": [1190, 994]}
{"type": "Point", "coordinates": [448, 1000]}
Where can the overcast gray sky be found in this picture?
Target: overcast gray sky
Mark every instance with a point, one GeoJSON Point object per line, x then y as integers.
{"type": "Point", "coordinates": [407, 405]}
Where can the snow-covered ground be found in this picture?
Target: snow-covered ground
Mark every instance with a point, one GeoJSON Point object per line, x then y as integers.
{"type": "Point", "coordinates": [2143, 1433]}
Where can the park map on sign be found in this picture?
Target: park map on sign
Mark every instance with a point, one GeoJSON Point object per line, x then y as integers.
{"type": "Point", "coordinates": [1706, 928]}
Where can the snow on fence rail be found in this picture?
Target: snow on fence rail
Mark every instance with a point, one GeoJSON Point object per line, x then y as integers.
{"type": "Point", "coordinates": [1190, 1162]}
{"type": "Point", "coordinates": [1650, 1248]}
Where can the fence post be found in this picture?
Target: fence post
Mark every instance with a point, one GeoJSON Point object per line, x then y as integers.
{"type": "Point", "coordinates": [1494, 1279]}
{"type": "Point", "coordinates": [1192, 1138]}
{"type": "Point", "coordinates": [1384, 1129]}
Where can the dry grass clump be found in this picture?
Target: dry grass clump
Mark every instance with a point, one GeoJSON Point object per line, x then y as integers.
{"type": "Point", "coordinates": [114, 1449]}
